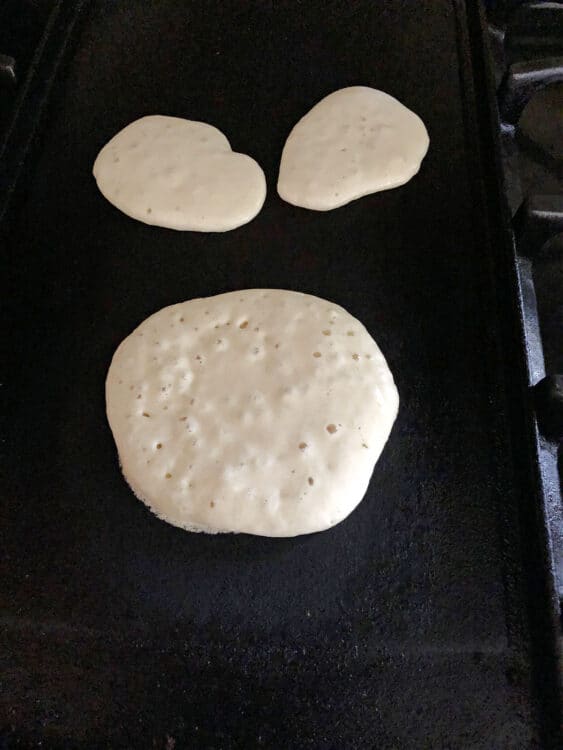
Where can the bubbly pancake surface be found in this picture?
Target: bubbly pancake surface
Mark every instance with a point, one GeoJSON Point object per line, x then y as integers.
{"type": "Point", "coordinates": [259, 411]}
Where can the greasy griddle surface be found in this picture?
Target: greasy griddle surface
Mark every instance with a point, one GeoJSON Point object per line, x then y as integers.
{"type": "Point", "coordinates": [397, 628]}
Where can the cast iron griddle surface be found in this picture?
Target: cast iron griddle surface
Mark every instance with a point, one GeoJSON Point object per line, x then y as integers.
{"type": "Point", "coordinates": [399, 627]}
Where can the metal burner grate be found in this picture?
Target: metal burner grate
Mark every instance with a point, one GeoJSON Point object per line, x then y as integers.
{"type": "Point", "coordinates": [526, 41]}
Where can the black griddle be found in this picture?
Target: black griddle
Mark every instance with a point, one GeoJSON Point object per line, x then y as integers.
{"type": "Point", "coordinates": [427, 619]}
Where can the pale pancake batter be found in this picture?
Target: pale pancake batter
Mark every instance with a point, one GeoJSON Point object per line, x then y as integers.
{"type": "Point", "coordinates": [179, 174]}
{"type": "Point", "coordinates": [259, 411]}
{"type": "Point", "coordinates": [355, 141]}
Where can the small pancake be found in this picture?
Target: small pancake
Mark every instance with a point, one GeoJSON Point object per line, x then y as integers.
{"type": "Point", "coordinates": [179, 174]}
{"type": "Point", "coordinates": [355, 141]}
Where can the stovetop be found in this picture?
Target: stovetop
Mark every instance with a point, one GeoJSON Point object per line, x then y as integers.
{"type": "Point", "coordinates": [526, 41]}
{"type": "Point", "coordinates": [526, 44]}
